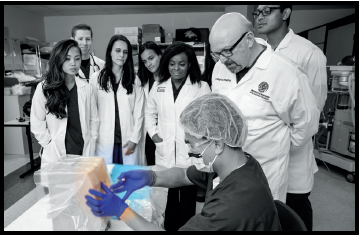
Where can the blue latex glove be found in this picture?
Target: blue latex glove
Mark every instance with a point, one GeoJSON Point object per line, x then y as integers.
{"type": "Point", "coordinates": [110, 205]}
{"type": "Point", "coordinates": [131, 181]}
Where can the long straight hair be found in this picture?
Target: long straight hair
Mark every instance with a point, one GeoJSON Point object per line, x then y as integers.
{"type": "Point", "coordinates": [106, 74]}
{"type": "Point", "coordinates": [143, 73]}
{"type": "Point", "coordinates": [177, 48]}
{"type": "Point", "coordinates": [54, 88]}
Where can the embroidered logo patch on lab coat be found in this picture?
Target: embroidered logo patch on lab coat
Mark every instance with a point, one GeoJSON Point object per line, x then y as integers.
{"type": "Point", "coordinates": [263, 87]}
{"type": "Point", "coordinates": [161, 89]}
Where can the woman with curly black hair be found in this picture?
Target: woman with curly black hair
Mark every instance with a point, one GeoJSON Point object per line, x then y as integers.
{"type": "Point", "coordinates": [63, 114]}
{"type": "Point", "coordinates": [120, 101]}
{"type": "Point", "coordinates": [179, 84]}
{"type": "Point", "coordinates": [149, 58]}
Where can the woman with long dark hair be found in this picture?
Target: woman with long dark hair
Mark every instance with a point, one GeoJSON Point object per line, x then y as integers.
{"type": "Point", "coordinates": [179, 84]}
{"type": "Point", "coordinates": [149, 58]}
{"type": "Point", "coordinates": [120, 101]}
{"type": "Point", "coordinates": [63, 114]}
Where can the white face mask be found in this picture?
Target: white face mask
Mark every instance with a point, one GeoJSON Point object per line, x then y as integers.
{"type": "Point", "coordinates": [206, 168]}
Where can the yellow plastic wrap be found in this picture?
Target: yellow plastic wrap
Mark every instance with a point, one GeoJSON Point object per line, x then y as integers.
{"type": "Point", "coordinates": [68, 181]}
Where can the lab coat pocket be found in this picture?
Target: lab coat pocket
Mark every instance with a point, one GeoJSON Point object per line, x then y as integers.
{"type": "Point", "coordinates": [159, 151]}
{"type": "Point", "coordinates": [255, 109]}
{"type": "Point", "coordinates": [131, 159]}
{"type": "Point", "coordinates": [50, 154]}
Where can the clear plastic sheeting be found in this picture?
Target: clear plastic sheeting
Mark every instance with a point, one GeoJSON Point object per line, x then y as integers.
{"type": "Point", "coordinates": [67, 182]}
{"type": "Point", "coordinates": [148, 202]}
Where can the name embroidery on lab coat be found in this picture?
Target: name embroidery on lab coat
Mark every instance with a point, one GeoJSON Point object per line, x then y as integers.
{"type": "Point", "coordinates": [259, 94]}
{"type": "Point", "coordinates": [227, 80]}
{"type": "Point", "coordinates": [161, 89]}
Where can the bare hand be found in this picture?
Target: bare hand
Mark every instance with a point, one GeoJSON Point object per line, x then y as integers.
{"type": "Point", "coordinates": [156, 139]}
{"type": "Point", "coordinates": [131, 146]}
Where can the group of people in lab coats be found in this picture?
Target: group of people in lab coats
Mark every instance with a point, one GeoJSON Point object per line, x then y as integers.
{"type": "Point", "coordinates": [119, 114]}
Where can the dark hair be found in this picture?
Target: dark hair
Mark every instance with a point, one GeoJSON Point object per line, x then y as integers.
{"type": "Point", "coordinates": [143, 73]}
{"type": "Point", "coordinates": [282, 8]}
{"type": "Point", "coordinates": [81, 27]}
{"type": "Point", "coordinates": [54, 88]}
{"type": "Point", "coordinates": [208, 66]}
{"type": "Point", "coordinates": [106, 73]}
{"type": "Point", "coordinates": [177, 48]}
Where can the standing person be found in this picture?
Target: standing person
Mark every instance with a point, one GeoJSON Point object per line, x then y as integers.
{"type": "Point", "coordinates": [180, 83]}
{"type": "Point", "coordinates": [242, 201]}
{"type": "Point", "coordinates": [149, 58]}
{"type": "Point", "coordinates": [273, 21]}
{"type": "Point", "coordinates": [64, 115]}
{"type": "Point", "coordinates": [120, 100]}
{"type": "Point", "coordinates": [271, 91]}
{"type": "Point", "coordinates": [83, 34]}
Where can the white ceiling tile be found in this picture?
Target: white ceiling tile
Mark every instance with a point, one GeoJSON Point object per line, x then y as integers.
{"type": "Point", "coordinates": [72, 8]}
{"type": "Point", "coordinates": [110, 7]}
{"type": "Point", "coordinates": [82, 12]}
{"type": "Point", "coordinates": [33, 8]}
{"type": "Point", "coordinates": [133, 11]}
{"type": "Point", "coordinates": [53, 13]}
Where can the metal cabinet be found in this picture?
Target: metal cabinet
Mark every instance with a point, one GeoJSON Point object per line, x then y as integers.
{"type": "Point", "coordinates": [12, 54]}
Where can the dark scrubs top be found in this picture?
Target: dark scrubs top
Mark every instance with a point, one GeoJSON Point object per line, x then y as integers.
{"type": "Point", "coordinates": [151, 82]}
{"type": "Point", "coordinates": [176, 91]}
{"type": "Point", "coordinates": [74, 142]}
{"type": "Point", "coordinates": [241, 202]}
{"type": "Point", "coordinates": [117, 131]}
{"type": "Point", "coordinates": [242, 73]}
{"type": "Point", "coordinates": [85, 68]}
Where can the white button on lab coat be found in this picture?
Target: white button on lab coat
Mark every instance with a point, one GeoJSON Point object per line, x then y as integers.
{"type": "Point", "coordinates": [161, 108]}
{"type": "Point", "coordinates": [280, 108]}
{"type": "Point", "coordinates": [302, 165]}
{"type": "Point", "coordinates": [131, 115]}
{"type": "Point", "coordinates": [50, 131]}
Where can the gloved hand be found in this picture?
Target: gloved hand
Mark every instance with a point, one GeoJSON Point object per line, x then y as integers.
{"type": "Point", "coordinates": [110, 205]}
{"type": "Point", "coordinates": [132, 180]}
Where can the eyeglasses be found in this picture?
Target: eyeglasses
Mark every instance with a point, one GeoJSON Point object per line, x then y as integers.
{"type": "Point", "coordinates": [265, 12]}
{"type": "Point", "coordinates": [227, 52]}
{"type": "Point", "coordinates": [197, 144]}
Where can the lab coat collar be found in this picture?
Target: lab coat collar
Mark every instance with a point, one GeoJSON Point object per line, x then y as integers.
{"type": "Point", "coordinates": [80, 72]}
{"type": "Point", "coordinates": [184, 90]}
{"type": "Point", "coordinates": [264, 60]}
{"type": "Point", "coordinates": [286, 40]}
{"type": "Point", "coordinates": [79, 82]}
{"type": "Point", "coordinates": [188, 81]}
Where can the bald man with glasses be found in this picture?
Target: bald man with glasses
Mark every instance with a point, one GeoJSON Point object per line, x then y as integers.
{"type": "Point", "coordinates": [273, 21]}
{"type": "Point", "coordinates": [271, 90]}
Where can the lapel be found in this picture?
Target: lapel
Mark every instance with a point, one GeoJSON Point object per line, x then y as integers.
{"type": "Point", "coordinates": [184, 90]}
{"type": "Point", "coordinates": [285, 41]}
{"type": "Point", "coordinates": [146, 92]}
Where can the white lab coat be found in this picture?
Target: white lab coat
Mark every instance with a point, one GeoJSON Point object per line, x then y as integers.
{"type": "Point", "coordinates": [131, 115]}
{"type": "Point", "coordinates": [93, 68]}
{"type": "Point", "coordinates": [50, 131]}
{"type": "Point", "coordinates": [144, 133]}
{"type": "Point", "coordinates": [277, 100]}
{"type": "Point", "coordinates": [302, 164]}
{"type": "Point", "coordinates": [172, 152]}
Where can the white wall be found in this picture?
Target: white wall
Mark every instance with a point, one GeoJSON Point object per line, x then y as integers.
{"type": "Point", "coordinates": [302, 20]}
{"type": "Point", "coordinates": [59, 27]}
{"type": "Point", "coordinates": [23, 23]}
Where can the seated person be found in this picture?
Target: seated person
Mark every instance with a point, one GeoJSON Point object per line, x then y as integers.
{"type": "Point", "coordinates": [216, 129]}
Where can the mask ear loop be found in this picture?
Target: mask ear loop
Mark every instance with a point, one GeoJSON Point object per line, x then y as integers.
{"type": "Point", "coordinates": [206, 147]}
